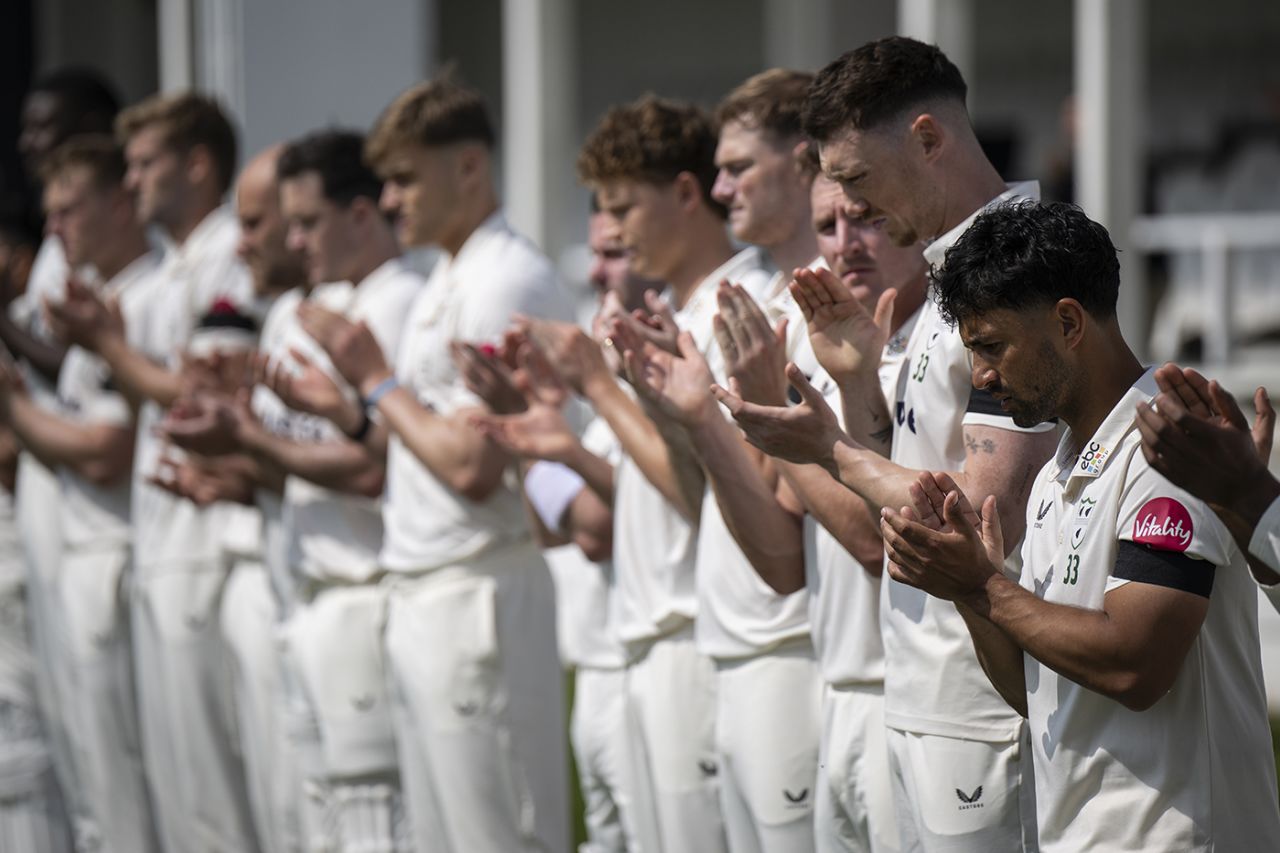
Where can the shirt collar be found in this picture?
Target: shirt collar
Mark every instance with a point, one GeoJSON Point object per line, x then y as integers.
{"type": "Point", "coordinates": [936, 251]}
{"type": "Point", "coordinates": [748, 259]}
{"type": "Point", "coordinates": [493, 225]}
{"type": "Point", "coordinates": [1088, 459]}
{"type": "Point", "coordinates": [204, 234]}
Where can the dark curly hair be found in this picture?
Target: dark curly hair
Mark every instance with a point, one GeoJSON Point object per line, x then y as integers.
{"type": "Point", "coordinates": [337, 156]}
{"type": "Point", "coordinates": [875, 83]}
{"type": "Point", "coordinates": [1025, 254]}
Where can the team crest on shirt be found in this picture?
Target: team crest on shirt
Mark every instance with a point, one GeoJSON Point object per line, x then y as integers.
{"type": "Point", "coordinates": [1164, 524]}
{"type": "Point", "coordinates": [1093, 458]}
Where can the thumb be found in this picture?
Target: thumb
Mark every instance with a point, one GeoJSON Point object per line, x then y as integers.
{"type": "Point", "coordinates": [799, 382]}
{"type": "Point", "coordinates": [992, 535]}
{"type": "Point", "coordinates": [1264, 425]}
{"type": "Point", "coordinates": [300, 357]}
{"type": "Point", "coordinates": [688, 349]}
{"type": "Point", "coordinates": [780, 332]}
{"type": "Point", "coordinates": [884, 308]}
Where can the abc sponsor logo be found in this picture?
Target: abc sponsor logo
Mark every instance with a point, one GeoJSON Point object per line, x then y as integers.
{"type": "Point", "coordinates": [1163, 523]}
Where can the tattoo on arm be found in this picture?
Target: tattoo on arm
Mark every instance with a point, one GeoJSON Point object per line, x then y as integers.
{"type": "Point", "coordinates": [883, 435]}
{"type": "Point", "coordinates": [972, 445]}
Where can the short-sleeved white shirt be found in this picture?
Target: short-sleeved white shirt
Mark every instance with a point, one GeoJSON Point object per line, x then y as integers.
{"type": "Point", "coordinates": [844, 600]}
{"type": "Point", "coordinates": [170, 532]}
{"type": "Point", "coordinates": [934, 684]}
{"type": "Point", "coordinates": [90, 514]}
{"type": "Point", "coordinates": [1194, 771]}
{"type": "Point", "coordinates": [739, 615]}
{"type": "Point", "coordinates": [471, 296]}
{"type": "Point", "coordinates": [334, 536]}
{"type": "Point", "coordinates": [584, 590]}
{"type": "Point", "coordinates": [653, 545]}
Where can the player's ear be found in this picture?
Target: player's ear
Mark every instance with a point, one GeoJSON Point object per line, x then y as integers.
{"type": "Point", "coordinates": [1071, 318]}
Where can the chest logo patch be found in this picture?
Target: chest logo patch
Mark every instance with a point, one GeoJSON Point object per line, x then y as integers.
{"type": "Point", "coordinates": [1163, 523]}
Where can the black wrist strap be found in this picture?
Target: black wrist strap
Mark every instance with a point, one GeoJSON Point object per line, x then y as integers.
{"type": "Point", "coordinates": [366, 424]}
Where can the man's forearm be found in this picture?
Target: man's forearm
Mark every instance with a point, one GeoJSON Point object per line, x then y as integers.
{"type": "Point", "coordinates": [841, 511]}
{"type": "Point", "coordinates": [874, 478]}
{"type": "Point", "coordinates": [642, 441]}
{"type": "Point", "coordinates": [867, 418]}
{"type": "Point", "coordinates": [137, 376]}
{"type": "Point", "coordinates": [44, 356]}
{"type": "Point", "coordinates": [1088, 647]}
{"type": "Point", "coordinates": [595, 471]}
{"type": "Point", "coordinates": [454, 451]}
{"type": "Point", "coordinates": [99, 453]}
{"type": "Point", "coordinates": [1000, 657]}
{"type": "Point", "coordinates": [343, 466]}
{"type": "Point", "coordinates": [769, 536]}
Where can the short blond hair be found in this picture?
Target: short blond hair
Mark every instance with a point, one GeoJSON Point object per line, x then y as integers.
{"type": "Point", "coordinates": [772, 101]}
{"type": "Point", "coordinates": [433, 113]}
{"type": "Point", "coordinates": [186, 120]}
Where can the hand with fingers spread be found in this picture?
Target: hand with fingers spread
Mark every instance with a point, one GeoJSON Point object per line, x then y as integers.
{"type": "Point", "coordinates": [1197, 436]}
{"type": "Point", "coordinates": [658, 326]}
{"type": "Point", "coordinates": [537, 379]}
{"type": "Point", "coordinates": [538, 432]}
{"type": "Point", "coordinates": [677, 386]}
{"type": "Point", "coordinates": [847, 339]}
{"type": "Point", "coordinates": [755, 355]}
{"type": "Point", "coordinates": [941, 545]}
{"type": "Point", "coordinates": [304, 387]}
{"type": "Point", "coordinates": [488, 376]}
{"type": "Point", "coordinates": [352, 348]}
{"type": "Point", "coordinates": [577, 358]}
{"type": "Point", "coordinates": [83, 317]}
{"type": "Point", "coordinates": [804, 433]}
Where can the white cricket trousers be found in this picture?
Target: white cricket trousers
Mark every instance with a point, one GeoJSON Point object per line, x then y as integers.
{"type": "Point", "coordinates": [249, 619]}
{"type": "Point", "coordinates": [854, 811]}
{"type": "Point", "coordinates": [343, 742]}
{"type": "Point", "coordinates": [598, 734]}
{"type": "Point", "coordinates": [32, 817]}
{"type": "Point", "coordinates": [94, 671]}
{"type": "Point", "coordinates": [671, 747]}
{"type": "Point", "coordinates": [478, 699]}
{"type": "Point", "coordinates": [36, 502]}
{"type": "Point", "coordinates": [768, 722]}
{"type": "Point", "coordinates": [186, 709]}
{"type": "Point", "coordinates": [962, 796]}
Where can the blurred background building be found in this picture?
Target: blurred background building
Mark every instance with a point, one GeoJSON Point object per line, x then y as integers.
{"type": "Point", "coordinates": [1161, 119]}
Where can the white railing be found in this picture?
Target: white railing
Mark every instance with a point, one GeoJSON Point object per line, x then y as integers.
{"type": "Point", "coordinates": [1218, 236]}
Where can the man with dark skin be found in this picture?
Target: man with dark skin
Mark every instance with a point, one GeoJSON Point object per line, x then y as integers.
{"type": "Point", "coordinates": [1131, 638]}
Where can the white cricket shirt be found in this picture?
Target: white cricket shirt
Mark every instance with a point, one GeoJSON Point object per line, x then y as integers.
{"type": "Point", "coordinates": [334, 536]}
{"type": "Point", "coordinates": [90, 514]}
{"type": "Point", "coordinates": [171, 533]}
{"type": "Point", "coordinates": [934, 684]}
{"type": "Point", "coordinates": [471, 296]}
{"type": "Point", "coordinates": [1194, 772]}
{"type": "Point", "coordinates": [844, 600]}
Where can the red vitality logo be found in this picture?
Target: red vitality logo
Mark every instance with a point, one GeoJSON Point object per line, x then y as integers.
{"type": "Point", "coordinates": [1163, 523]}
